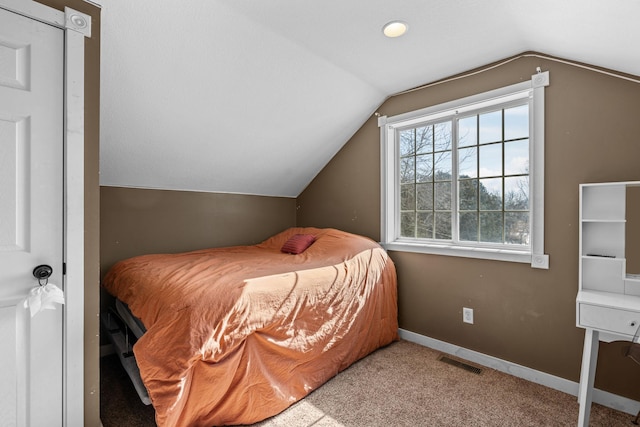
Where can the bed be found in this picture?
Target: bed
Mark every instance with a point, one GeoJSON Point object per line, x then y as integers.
{"type": "Point", "coordinates": [236, 335]}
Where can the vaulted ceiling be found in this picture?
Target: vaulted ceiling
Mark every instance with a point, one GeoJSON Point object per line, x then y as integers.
{"type": "Point", "coordinates": [255, 97]}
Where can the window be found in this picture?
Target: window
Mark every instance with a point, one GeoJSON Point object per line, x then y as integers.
{"type": "Point", "coordinates": [466, 177]}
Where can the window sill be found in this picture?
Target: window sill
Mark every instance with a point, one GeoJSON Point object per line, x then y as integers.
{"type": "Point", "coordinates": [461, 251]}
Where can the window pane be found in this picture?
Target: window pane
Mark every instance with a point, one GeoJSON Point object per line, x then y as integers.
{"type": "Point", "coordinates": [425, 225]}
{"type": "Point", "coordinates": [424, 139]}
{"type": "Point", "coordinates": [468, 194]}
{"type": "Point", "coordinates": [491, 205]}
{"type": "Point", "coordinates": [443, 225]}
{"type": "Point", "coordinates": [407, 142]}
{"type": "Point", "coordinates": [443, 196]}
{"type": "Point", "coordinates": [468, 162]}
{"type": "Point", "coordinates": [469, 226]}
{"type": "Point", "coordinates": [491, 160]}
{"type": "Point", "coordinates": [408, 224]}
{"type": "Point", "coordinates": [443, 163]}
{"type": "Point", "coordinates": [442, 136]}
{"type": "Point", "coordinates": [407, 169]}
{"type": "Point", "coordinates": [468, 131]}
{"type": "Point", "coordinates": [491, 227]}
{"type": "Point", "coordinates": [516, 228]}
{"type": "Point", "coordinates": [408, 197]}
{"type": "Point", "coordinates": [516, 122]}
{"type": "Point", "coordinates": [491, 127]}
{"type": "Point", "coordinates": [516, 157]}
{"type": "Point", "coordinates": [424, 168]}
{"type": "Point", "coordinates": [491, 194]}
{"type": "Point", "coordinates": [424, 194]}
{"type": "Point", "coordinates": [516, 193]}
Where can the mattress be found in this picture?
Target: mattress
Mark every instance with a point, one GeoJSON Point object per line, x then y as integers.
{"type": "Point", "coordinates": [236, 335]}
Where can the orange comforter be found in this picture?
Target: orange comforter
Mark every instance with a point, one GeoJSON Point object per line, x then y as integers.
{"type": "Point", "coordinates": [236, 335]}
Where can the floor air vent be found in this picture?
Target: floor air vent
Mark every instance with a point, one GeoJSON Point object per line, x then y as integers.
{"type": "Point", "coordinates": [459, 364]}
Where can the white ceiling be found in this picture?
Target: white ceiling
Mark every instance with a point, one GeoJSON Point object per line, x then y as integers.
{"type": "Point", "coordinates": [256, 96]}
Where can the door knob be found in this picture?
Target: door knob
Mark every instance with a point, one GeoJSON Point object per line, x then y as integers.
{"type": "Point", "coordinates": [42, 273]}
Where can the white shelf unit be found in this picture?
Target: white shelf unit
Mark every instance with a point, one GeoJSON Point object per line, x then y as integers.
{"type": "Point", "coordinates": [602, 229]}
{"type": "Point", "coordinates": [602, 243]}
{"type": "Point", "coordinates": [608, 301]}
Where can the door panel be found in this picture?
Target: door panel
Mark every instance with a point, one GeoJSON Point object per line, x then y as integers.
{"type": "Point", "coordinates": [13, 192]}
{"type": "Point", "coordinates": [31, 217]}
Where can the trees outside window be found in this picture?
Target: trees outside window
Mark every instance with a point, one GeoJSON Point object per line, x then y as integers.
{"type": "Point", "coordinates": [491, 173]}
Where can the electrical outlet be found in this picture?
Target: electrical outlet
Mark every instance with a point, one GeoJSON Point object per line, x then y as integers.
{"type": "Point", "coordinates": [467, 315]}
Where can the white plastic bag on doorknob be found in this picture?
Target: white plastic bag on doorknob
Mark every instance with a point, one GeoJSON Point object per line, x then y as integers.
{"type": "Point", "coordinates": [43, 298]}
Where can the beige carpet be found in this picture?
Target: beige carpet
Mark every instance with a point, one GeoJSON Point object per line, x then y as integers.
{"type": "Point", "coordinates": [405, 384]}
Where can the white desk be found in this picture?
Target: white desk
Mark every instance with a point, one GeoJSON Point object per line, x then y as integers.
{"type": "Point", "coordinates": [608, 301]}
{"type": "Point", "coordinates": [607, 317]}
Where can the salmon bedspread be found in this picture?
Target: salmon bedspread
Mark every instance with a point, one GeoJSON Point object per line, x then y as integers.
{"type": "Point", "coordinates": [236, 335]}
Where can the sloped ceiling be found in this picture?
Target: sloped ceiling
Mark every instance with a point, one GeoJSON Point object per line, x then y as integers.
{"type": "Point", "coordinates": [256, 96]}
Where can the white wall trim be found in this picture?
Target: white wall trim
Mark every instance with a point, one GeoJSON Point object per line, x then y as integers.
{"type": "Point", "coordinates": [35, 10]}
{"type": "Point", "coordinates": [601, 397]}
{"type": "Point", "coordinates": [77, 28]}
{"type": "Point", "coordinates": [530, 92]}
{"type": "Point", "coordinates": [188, 190]}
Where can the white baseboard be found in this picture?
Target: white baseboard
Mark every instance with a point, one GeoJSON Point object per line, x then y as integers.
{"type": "Point", "coordinates": [601, 397]}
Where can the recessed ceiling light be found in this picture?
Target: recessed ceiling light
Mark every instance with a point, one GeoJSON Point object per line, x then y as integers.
{"type": "Point", "coordinates": [395, 28]}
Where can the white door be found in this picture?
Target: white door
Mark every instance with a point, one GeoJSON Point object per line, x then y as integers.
{"type": "Point", "coordinates": [31, 218]}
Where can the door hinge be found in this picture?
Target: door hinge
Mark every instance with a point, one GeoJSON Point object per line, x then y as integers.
{"type": "Point", "coordinates": [64, 268]}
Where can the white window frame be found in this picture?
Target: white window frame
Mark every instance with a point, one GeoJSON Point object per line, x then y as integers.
{"type": "Point", "coordinates": [390, 193]}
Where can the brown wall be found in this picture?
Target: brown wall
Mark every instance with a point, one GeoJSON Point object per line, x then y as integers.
{"type": "Point", "coordinates": [92, 208]}
{"type": "Point", "coordinates": [140, 221]}
{"type": "Point", "coordinates": [523, 315]}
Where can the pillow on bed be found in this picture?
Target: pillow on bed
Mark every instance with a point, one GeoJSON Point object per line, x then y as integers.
{"type": "Point", "coordinates": [298, 243]}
